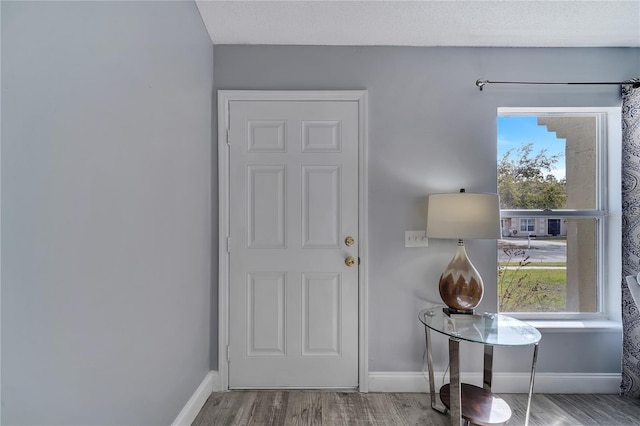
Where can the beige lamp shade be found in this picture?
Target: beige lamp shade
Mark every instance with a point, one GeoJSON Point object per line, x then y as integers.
{"type": "Point", "coordinates": [463, 215]}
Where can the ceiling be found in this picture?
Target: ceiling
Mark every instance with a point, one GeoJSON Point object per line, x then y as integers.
{"type": "Point", "coordinates": [542, 23]}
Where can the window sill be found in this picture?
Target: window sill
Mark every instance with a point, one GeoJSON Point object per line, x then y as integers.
{"type": "Point", "coordinates": [575, 326]}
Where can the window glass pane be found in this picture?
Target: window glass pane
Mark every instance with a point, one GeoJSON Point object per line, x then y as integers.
{"type": "Point", "coordinates": [547, 162]}
{"type": "Point", "coordinates": [527, 225]}
{"type": "Point", "coordinates": [554, 271]}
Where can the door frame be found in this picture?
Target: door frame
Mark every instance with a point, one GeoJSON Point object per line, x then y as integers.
{"type": "Point", "coordinates": [224, 99]}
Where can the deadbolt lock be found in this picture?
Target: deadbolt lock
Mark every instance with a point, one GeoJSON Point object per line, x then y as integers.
{"type": "Point", "coordinates": [349, 241]}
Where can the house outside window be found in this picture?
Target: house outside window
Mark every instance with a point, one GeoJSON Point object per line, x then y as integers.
{"type": "Point", "coordinates": [552, 175]}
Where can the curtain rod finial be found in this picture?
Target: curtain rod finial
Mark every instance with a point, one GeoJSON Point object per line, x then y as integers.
{"type": "Point", "coordinates": [481, 83]}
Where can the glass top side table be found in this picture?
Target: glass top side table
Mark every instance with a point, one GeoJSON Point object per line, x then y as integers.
{"type": "Point", "coordinates": [490, 330]}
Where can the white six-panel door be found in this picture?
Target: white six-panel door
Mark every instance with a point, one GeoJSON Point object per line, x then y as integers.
{"type": "Point", "coordinates": [293, 201]}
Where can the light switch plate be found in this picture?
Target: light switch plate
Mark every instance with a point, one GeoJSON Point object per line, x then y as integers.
{"type": "Point", "coordinates": [415, 239]}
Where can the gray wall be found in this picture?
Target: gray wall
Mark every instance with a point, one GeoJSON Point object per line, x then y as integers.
{"type": "Point", "coordinates": [106, 225]}
{"type": "Point", "coordinates": [431, 130]}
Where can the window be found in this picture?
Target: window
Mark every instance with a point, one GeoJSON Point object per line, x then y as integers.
{"type": "Point", "coordinates": [527, 225]}
{"type": "Point", "coordinates": [552, 180]}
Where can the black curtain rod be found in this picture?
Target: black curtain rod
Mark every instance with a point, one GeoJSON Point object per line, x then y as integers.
{"type": "Point", "coordinates": [481, 83]}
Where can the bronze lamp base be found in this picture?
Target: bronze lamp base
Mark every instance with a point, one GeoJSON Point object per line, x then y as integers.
{"type": "Point", "coordinates": [461, 286]}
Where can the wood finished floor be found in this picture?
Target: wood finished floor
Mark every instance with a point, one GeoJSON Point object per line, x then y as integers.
{"type": "Point", "coordinates": [399, 409]}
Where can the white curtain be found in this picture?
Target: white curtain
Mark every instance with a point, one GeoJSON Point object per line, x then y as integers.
{"type": "Point", "coordinates": [630, 386]}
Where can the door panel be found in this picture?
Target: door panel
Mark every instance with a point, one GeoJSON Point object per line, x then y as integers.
{"type": "Point", "coordinates": [266, 136]}
{"type": "Point", "coordinates": [321, 215]}
{"type": "Point", "coordinates": [293, 303]}
{"type": "Point", "coordinates": [321, 322]}
{"type": "Point", "coordinates": [267, 206]}
{"type": "Point", "coordinates": [265, 313]}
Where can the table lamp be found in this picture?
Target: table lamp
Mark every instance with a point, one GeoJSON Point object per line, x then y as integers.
{"type": "Point", "coordinates": [462, 216]}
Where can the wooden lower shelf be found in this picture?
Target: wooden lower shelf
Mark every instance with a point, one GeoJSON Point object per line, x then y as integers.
{"type": "Point", "coordinates": [479, 406]}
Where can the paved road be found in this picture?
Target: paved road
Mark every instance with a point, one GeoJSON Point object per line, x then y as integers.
{"type": "Point", "coordinates": [538, 250]}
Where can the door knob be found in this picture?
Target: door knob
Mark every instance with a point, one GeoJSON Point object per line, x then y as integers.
{"type": "Point", "coordinates": [349, 241]}
{"type": "Point", "coordinates": [349, 261]}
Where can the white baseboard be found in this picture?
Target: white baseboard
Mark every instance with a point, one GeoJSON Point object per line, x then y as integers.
{"type": "Point", "coordinates": [502, 382]}
{"type": "Point", "coordinates": [196, 402]}
{"type": "Point", "coordinates": [577, 383]}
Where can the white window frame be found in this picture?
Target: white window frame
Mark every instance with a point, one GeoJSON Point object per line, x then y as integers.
{"type": "Point", "coordinates": [608, 212]}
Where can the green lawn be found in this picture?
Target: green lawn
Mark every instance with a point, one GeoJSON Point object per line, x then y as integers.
{"type": "Point", "coordinates": [532, 290]}
{"type": "Point", "coordinates": [533, 263]}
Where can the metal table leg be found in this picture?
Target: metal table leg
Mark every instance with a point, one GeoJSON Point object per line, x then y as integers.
{"type": "Point", "coordinates": [487, 372]}
{"type": "Point", "coordinates": [533, 372]}
{"type": "Point", "coordinates": [454, 382]}
{"type": "Point", "coordinates": [432, 387]}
